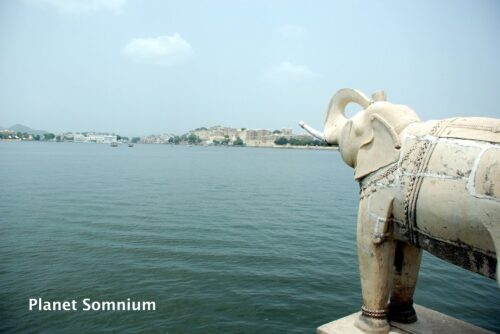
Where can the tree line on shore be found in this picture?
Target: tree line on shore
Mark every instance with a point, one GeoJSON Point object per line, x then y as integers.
{"type": "Point", "coordinates": [52, 137]}
{"type": "Point", "coordinates": [299, 142]}
{"type": "Point", "coordinates": [190, 139]}
{"type": "Point", "coordinates": [193, 139]}
{"type": "Point", "coordinates": [28, 136]}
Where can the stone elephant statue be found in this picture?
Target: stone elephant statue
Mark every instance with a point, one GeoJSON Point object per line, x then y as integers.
{"type": "Point", "coordinates": [423, 185]}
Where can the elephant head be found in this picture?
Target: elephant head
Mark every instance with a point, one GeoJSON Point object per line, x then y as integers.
{"type": "Point", "coordinates": [370, 139]}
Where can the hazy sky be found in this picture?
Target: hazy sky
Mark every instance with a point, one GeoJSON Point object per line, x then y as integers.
{"type": "Point", "coordinates": [138, 67]}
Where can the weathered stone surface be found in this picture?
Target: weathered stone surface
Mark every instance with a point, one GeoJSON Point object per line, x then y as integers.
{"type": "Point", "coordinates": [429, 322]}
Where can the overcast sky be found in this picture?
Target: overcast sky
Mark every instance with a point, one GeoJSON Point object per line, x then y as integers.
{"type": "Point", "coordinates": [138, 67]}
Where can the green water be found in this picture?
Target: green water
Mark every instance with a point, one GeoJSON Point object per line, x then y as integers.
{"type": "Point", "coordinates": [224, 240]}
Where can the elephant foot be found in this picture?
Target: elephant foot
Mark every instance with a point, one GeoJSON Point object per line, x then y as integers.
{"type": "Point", "coordinates": [402, 313]}
{"type": "Point", "coordinates": [373, 322]}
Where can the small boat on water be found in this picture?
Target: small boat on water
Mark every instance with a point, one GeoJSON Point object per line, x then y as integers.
{"type": "Point", "coordinates": [130, 144]}
{"type": "Point", "coordinates": [114, 144]}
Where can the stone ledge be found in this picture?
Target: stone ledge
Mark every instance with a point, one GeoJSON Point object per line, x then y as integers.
{"type": "Point", "coordinates": [429, 322]}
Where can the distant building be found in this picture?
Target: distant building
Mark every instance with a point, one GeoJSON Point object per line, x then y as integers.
{"type": "Point", "coordinates": [220, 134]}
{"type": "Point", "coordinates": [95, 138]}
{"type": "Point", "coordinates": [264, 137]}
{"type": "Point", "coordinates": [78, 138]}
{"type": "Point", "coordinates": [155, 139]}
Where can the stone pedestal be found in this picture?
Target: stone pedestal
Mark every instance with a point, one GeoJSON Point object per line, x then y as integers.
{"type": "Point", "coordinates": [429, 322]}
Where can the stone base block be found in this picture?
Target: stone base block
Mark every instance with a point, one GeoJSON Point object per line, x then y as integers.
{"type": "Point", "coordinates": [429, 322]}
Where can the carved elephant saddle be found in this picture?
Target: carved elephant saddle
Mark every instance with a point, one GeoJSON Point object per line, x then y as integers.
{"type": "Point", "coordinates": [446, 190]}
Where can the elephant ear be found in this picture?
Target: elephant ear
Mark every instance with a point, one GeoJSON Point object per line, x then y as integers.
{"type": "Point", "coordinates": [380, 150]}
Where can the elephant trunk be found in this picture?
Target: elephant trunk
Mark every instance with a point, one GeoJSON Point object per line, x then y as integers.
{"type": "Point", "coordinates": [335, 115]}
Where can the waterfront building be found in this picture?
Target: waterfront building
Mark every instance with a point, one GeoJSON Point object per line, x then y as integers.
{"type": "Point", "coordinates": [95, 138]}
{"type": "Point", "coordinates": [79, 138]}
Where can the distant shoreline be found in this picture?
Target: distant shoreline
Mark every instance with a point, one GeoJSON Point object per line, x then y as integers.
{"type": "Point", "coordinates": [292, 147]}
{"type": "Point", "coordinates": [324, 148]}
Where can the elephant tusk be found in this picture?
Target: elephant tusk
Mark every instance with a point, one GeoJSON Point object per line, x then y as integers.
{"type": "Point", "coordinates": [315, 133]}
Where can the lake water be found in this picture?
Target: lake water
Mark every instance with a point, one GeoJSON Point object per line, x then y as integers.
{"type": "Point", "coordinates": [224, 240]}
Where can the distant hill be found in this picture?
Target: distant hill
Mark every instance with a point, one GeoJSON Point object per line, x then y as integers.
{"type": "Point", "coordinates": [23, 128]}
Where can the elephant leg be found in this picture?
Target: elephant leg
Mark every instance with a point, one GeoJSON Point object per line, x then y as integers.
{"type": "Point", "coordinates": [406, 267]}
{"type": "Point", "coordinates": [376, 262]}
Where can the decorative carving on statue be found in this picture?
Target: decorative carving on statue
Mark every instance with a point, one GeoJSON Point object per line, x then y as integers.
{"type": "Point", "coordinates": [423, 185]}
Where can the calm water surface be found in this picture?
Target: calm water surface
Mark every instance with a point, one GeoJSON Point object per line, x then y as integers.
{"type": "Point", "coordinates": [225, 240]}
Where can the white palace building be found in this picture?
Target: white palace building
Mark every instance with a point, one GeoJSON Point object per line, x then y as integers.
{"type": "Point", "coordinates": [95, 138]}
